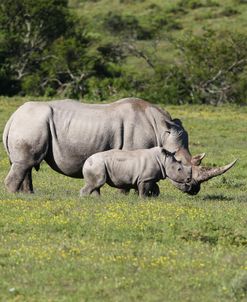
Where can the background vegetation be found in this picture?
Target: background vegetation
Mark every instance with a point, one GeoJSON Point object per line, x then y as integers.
{"type": "Point", "coordinates": [55, 246]}
{"type": "Point", "coordinates": [166, 51]}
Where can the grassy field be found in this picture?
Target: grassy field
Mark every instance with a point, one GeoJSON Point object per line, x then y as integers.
{"type": "Point", "coordinates": [55, 246]}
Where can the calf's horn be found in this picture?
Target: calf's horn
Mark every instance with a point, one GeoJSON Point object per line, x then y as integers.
{"type": "Point", "coordinates": [205, 173]}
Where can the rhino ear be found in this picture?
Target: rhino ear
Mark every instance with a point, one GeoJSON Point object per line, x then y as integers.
{"type": "Point", "coordinates": [196, 160]}
{"type": "Point", "coordinates": [178, 122]}
{"type": "Point", "coordinates": [167, 153]}
{"type": "Point", "coordinates": [169, 125]}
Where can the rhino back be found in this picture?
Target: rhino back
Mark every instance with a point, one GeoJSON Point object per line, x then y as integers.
{"type": "Point", "coordinates": [80, 130]}
{"type": "Point", "coordinates": [130, 167]}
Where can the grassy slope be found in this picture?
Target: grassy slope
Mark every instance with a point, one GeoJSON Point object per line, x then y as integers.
{"type": "Point", "coordinates": [192, 20]}
{"type": "Point", "coordinates": [56, 247]}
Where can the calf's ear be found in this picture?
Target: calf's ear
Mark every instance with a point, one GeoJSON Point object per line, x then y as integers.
{"type": "Point", "coordinates": [167, 153]}
{"type": "Point", "coordinates": [196, 160]}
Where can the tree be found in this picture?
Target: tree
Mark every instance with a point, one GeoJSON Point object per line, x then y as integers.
{"type": "Point", "coordinates": [27, 30]}
{"type": "Point", "coordinates": [213, 65]}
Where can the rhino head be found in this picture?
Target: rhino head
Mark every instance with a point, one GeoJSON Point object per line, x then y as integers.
{"type": "Point", "coordinates": [177, 141]}
{"type": "Point", "coordinates": [200, 174]}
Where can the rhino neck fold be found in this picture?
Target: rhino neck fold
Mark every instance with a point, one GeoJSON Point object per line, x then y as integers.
{"type": "Point", "coordinates": [162, 169]}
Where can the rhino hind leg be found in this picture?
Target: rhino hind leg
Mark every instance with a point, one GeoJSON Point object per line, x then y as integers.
{"type": "Point", "coordinates": [16, 176]}
{"type": "Point", "coordinates": [94, 180]}
{"type": "Point", "coordinates": [27, 184]}
{"type": "Point", "coordinates": [89, 190]}
{"type": "Point", "coordinates": [86, 190]}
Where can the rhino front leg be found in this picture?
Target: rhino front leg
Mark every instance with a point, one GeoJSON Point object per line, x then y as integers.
{"type": "Point", "coordinates": [155, 191]}
{"type": "Point", "coordinates": [124, 191]}
{"type": "Point", "coordinates": [96, 192]}
{"type": "Point", "coordinates": [144, 189]}
{"type": "Point", "coordinates": [15, 177]}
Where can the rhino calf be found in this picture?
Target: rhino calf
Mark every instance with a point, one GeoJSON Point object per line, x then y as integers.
{"type": "Point", "coordinates": [138, 169]}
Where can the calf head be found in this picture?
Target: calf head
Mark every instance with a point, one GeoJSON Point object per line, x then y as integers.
{"type": "Point", "coordinates": [176, 140]}
{"type": "Point", "coordinates": [200, 174]}
{"type": "Point", "coordinates": [176, 170]}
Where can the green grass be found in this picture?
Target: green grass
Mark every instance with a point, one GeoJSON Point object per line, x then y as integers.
{"type": "Point", "coordinates": [55, 246]}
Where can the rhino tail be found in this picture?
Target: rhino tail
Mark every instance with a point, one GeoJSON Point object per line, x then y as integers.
{"type": "Point", "coordinates": [6, 134]}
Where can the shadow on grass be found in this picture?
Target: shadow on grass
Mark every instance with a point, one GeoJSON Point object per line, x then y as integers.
{"type": "Point", "coordinates": [217, 197]}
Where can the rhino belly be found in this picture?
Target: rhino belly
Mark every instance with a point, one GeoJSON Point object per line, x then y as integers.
{"type": "Point", "coordinates": [67, 165]}
{"type": "Point", "coordinates": [69, 158]}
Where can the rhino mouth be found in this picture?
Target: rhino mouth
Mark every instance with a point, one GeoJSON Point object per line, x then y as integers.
{"type": "Point", "coordinates": [191, 188]}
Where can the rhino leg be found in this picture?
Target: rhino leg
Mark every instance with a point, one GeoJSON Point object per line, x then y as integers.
{"type": "Point", "coordinates": [124, 191]}
{"type": "Point", "coordinates": [27, 184]}
{"type": "Point", "coordinates": [27, 141]}
{"type": "Point", "coordinates": [89, 190]}
{"type": "Point", "coordinates": [86, 190]}
{"type": "Point", "coordinates": [144, 189]}
{"type": "Point", "coordinates": [96, 192]}
{"type": "Point", "coordinates": [15, 177]}
{"type": "Point", "coordinates": [154, 191]}
{"type": "Point", "coordinates": [95, 178]}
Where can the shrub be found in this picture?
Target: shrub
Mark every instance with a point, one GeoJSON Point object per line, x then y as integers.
{"type": "Point", "coordinates": [128, 27]}
{"type": "Point", "coordinates": [241, 1]}
{"type": "Point", "coordinates": [228, 12]}
{"type": "Point", "coordinates": [211, 69]}
{"type": "Point", "coordinates": [31, 85]}
{"type": "Point", "coordinates": [194, 4]}
{"type": "Point", "coordinates": [213, 65]}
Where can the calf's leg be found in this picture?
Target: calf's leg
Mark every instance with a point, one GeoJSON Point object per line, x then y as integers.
{"type": "Point", "coordinates": [124, 191]}
{"type": "Point", "coordinates": [89, 190]}
{"type": "Point", "coordinates": [94, 180]}
{"type": "Point", "coordinates": [144, 189]}
{"type": "Point", "coordinates": [96, 192]}
{"type": "Point", "coordinates": [154, 191]}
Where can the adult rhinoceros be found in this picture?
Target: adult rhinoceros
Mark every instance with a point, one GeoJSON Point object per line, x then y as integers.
{"type": "Point", "coordinates": [65, 133]}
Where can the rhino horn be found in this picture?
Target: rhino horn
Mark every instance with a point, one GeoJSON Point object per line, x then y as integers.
{"type": "Point", "coordinates": [204, 173]}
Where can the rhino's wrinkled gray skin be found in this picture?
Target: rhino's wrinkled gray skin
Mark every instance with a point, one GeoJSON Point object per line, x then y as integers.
{"type": "Point", "coordinates": [65, 133]}
{"type": "Point", "coordinates": [138, 169]}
